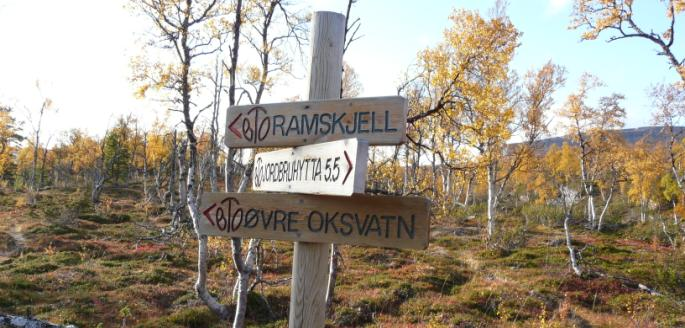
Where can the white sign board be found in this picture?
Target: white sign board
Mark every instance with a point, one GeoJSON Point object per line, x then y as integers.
{"type": "Point", "coordinates": [329, 168]}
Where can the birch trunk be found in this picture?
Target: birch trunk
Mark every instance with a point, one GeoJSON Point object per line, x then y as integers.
{"type": "Point", "coordinates": [491, 200]}
{"type": "Point", "coordinates": [244, 269]}
{"type": "Point", "coordinates": [600, 221]}
{"type": "Point", "coordinates": [332, 276]}
{"type": "Point", "coordinates": [145, 188]}
{"type": "Point", "coordinates": [591, 209]}
{"type": "Point", "coordinates": [468, 197]}
{"type": "Point", "coordinates": [575, 266]}
{"type": "Point", "coordinates": [675, 213]}
{"type": "Point", "coordinates": [405, 176]}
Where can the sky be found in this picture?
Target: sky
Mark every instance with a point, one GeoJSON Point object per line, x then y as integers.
{"type": "Point", "coordinates": [78, 53]}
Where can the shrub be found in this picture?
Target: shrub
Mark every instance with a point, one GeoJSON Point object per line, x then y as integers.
{"type": "Point", "coordinates": [159, 276]}
{"type": "Point", "coordinates": [195, 317]}
{"type": "Point", "coordinates": [512, 234]}
{"type": "Point", "coordinates": [485, 301]}
{"type": "Point", "coordinates": [445, 283]}
{"type": "Point", "coordinates": [352, 317]}
{"type": "Point", "coordinates": [36, 268]}
{"type": "Point", "coordinates": [542, 214]}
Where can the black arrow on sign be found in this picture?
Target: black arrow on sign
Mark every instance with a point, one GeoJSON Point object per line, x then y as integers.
{"type": "Point", "coordinates": [350, 167]}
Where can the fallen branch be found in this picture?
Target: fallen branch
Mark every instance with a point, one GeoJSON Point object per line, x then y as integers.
{"type": "Point", "coordinates": [627, 282]}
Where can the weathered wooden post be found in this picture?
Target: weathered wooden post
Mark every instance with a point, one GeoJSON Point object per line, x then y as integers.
{"type": "Point", "coordinates": [310, 260]}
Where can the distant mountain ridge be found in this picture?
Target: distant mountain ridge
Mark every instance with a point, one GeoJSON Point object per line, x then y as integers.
{"type": "Point", "coordinates": [652, 134]}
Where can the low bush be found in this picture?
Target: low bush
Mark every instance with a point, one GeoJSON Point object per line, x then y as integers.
{"type": "Point", "coordinates": [549, 215]}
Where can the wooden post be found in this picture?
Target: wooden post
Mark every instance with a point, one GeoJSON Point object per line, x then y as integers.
{"type": "Point", "coordinates": [310, 260]}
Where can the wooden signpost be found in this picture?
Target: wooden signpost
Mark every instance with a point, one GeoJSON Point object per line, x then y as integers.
{"type": "Point", "coordinates": [381, 221]}
{"type": "Point", "coordinates": [330, 163]}
{"type": "Point", "coordinates": [329, 168]}
{"type": "Point", "coordinates": [379, 120]}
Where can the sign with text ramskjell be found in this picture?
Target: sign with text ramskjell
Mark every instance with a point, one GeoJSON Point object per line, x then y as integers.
{"type": "Point", "coordinates": [379, 120]}
{"type": "Point", "coordinates": [383, 221]}
{"type": "Point", "coordinates": [328, 168]}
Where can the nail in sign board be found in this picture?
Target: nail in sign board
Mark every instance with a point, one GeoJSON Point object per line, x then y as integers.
{"type": "Point", "coordinates": [380, 120]}
{"type": "Point", "coordinates": [382, 221]}
{"type": "Point", "coordinates": [329, 168]}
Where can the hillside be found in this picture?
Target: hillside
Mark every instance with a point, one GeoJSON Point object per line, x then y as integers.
{"type": "Point", "coordinates": [652, 134]}
{"type": "Point", "coordinates": [68, 262]}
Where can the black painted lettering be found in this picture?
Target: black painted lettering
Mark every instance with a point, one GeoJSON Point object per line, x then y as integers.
{"type": "Point", "coordinates": [354, 125]}
{"type": "Point", "coordinates": [295, 167]}
{"type": "Point", "coordinates": [292, 220]}
{"type": "Point", "coordinates": [220, 219]}
{"type": "Point", "coordinates": [326, 123]}
{"type": "Point", "coordinates": [363, 122]}
{"type": "Point", "coordinates": [263, 131]}
{"type": "Point", "coordinates": [387, 123]}
{"type": "Point", "coordinates": [311, 126]}
{"type": "Point", "coordinates": [309, 221]}
{"type": "Point", "coordinates": [279, 120]}
{"type": "Point", "coordinates": [248, 132]}
{"type": "Point", "coordinates": [409, 229]}
{"type": "Point", "coordinates": [338, 122]}
{"type": "Point", "coordinates": [251, 218]}
{"type": "Point", "coordinates": [230, 200]}
{"type": "Point", "coordinates": [236, 219]}
{"type": "Point", "coordinates": [281, 220]}
{"type": "Point", "coordinates": [387, 219]}
{"type": "Point", "coordinates": [344, 221]}
{"type": "Point", "coordinates": [361, 228]}
{"type": "Point", "coordinates": [266, 222]}
{"type": "Point", "coordinates": [294, 125]}
{"type": "Point", "coordinates": [330, 221]}
{"type": "Point", "coordinates": [329, 170]}
{"type": "Point", "coordinates": [272, 171]}
{"type": "Point", "coordinates": [373, 124]}
{"type": "Point", "coordinates": [316, 171]}
{"type": "Point", "coordinates": [373, 225]}
{"type": "Point", "coordinates": [301, 170]}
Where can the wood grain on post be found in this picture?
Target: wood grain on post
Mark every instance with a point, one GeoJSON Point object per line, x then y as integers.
{"type": "Point", "coordinates": [310, 260]}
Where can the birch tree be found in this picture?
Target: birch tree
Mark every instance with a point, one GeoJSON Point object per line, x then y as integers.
{"type": "Point", "coordinates": [620, 20]}
{"type": "Point", "coordinates": [668, 101]}
{"type": "Point", "coordinates": [46, 105]}
{"type": "Point", "coordinates": [561, 170]}
{"type": "Point", "coordinates": [9, 139]}
{"type": "Point", "coordinates": [466, 82]}
{"type": "Point", "coordinates": [273, 28]}
{"type": "Point", "coordinates": [644, 166]}
{"type": "Point", "coordinates": [189, 29]}
{"type": "Point", "coordinates": [587, 126]}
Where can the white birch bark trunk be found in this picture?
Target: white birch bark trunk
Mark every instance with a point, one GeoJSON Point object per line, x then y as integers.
{"type": "Point", "coordinates": [590, 209]}
{"type": "Point", "coordinates": [600, 221]}
{"type": "Point", "coordinates": [491, 200]}
{"type": "Point", "coordinates": [575, 266]}
{"type": "Point", "coordinates": [332, 277]}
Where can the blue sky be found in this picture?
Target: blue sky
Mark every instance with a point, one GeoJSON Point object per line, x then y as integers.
{"type": "Point", "coordinates": [79, 50]}
{"type": "Point", "coordinates": [626, 66]}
